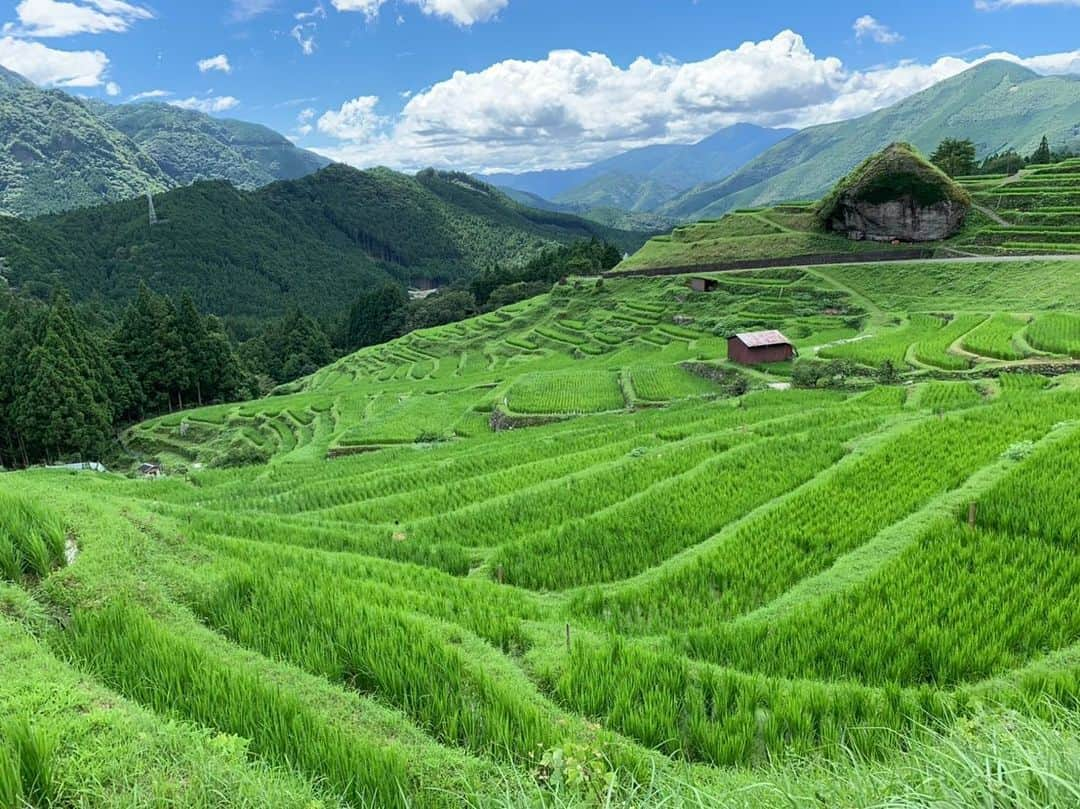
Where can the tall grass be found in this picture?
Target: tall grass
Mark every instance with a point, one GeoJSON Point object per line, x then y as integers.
{"type": "Point", "coordinates": [27, 768]}
{"type": "Point", "coordinates": [32, 539]}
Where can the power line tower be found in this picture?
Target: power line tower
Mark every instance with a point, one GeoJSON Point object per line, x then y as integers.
{"type": "Point", "coordinates": [153, 212]}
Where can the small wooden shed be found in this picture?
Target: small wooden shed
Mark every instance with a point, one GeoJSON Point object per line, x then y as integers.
{"type": "Point", "coordinates": [704, 284]}
{"type": "Point", "coordinates": [756, 348]}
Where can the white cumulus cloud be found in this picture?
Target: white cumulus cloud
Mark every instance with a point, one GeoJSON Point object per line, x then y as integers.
{"type": "Point", "coordinates": [867, 27]}
{"type": "Point", "coordinates": [355, 121]}
{"type": "Point", "coordinates": [53, 68]}
{"type": "Point", "coordinates": [219, 62]}
{"type": "Point", "coordinates": [461, 12]}
{"type": "Point", "coordinates": [56, 18]}
{"type": "Point", "coordinates": [208, 105]}
{"type": "Point", "coordinates": [572, 108]}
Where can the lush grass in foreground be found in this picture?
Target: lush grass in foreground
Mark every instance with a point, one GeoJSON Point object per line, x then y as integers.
{"type": "Point", "coordinates": [567, 555]}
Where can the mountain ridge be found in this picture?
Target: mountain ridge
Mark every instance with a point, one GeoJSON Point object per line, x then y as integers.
{"type": "Point", "coordinates": [59, 152]}
{"type": "Point", "coordinates": [998, 104]}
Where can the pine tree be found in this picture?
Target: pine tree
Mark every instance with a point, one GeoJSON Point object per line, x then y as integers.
{"type": "Point", "coordinates": [1042, 155]}
{"type": "Point", "coordinates": [56, 413]}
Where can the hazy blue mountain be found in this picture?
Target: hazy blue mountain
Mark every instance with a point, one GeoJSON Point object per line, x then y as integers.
{"type": "Point", "coordinates": [642, 179]}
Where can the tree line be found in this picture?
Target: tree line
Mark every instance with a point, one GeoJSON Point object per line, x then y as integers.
{"type": "Point", "coordinates": [68, 380]}
{"type": "Point", "coordinates": [958, 158]}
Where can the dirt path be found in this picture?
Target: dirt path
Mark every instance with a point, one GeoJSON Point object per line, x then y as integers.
{"type": "Point", "coordinates": [994, 216]}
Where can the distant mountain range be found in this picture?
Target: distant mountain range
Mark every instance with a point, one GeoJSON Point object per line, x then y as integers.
{"type": "Point", "coordinates": [315, 242]}
{"type": "Point", "coordinates": [998, 105]}
{"type": "Point", "coordinates": [58, 152]}
{"type": "Point", "coordinates": [644, 179]}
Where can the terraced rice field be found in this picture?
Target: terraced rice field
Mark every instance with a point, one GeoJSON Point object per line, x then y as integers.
{"type": "Point", "coordinates": [358, 593]}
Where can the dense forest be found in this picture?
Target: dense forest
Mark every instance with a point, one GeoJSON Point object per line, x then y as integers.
{"type": "Point", "coordinates": [313, 243]}
{"type": "Point", "coordinates": [67, 379]}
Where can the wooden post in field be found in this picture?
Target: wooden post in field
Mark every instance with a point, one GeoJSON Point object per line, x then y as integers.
{"type": "Point", "coordinates": [973, 513]}
{"type": "Point", "coordinates": [500, 574]}
{"type": "Point", "coordinates": [568, 638]}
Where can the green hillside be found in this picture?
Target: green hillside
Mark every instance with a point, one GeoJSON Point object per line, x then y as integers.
{"type": "Point", "coordinates": [191, 146]}
{"type": "Point", "coordinates": [55, 153]}
{"type": "Point", "coordinates": [619, 218]}
{"type": "Point", "coordinates": [58, 152]}
{"type": "Point", "coordinates": [315, 242]}
{"type": "Point", "coordinates": [661, 580]}
{"type": "Point", "coordinates": [998, 105]}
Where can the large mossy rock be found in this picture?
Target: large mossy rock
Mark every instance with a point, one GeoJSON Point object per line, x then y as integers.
{"type": "Point", "coordinates": [896, 195]}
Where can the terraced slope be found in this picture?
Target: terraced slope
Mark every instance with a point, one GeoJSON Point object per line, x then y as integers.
{"type": "Point", "coordinates": [1032, 213]}
{"type": "Point", "coordinates": [568, 537]}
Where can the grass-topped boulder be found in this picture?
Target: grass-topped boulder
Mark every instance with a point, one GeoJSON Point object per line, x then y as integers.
{"type": "Point", "coordinates": [896, 195]}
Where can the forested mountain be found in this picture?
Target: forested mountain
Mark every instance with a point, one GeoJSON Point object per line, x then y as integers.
{"type": "Point", "coordinates": [998, 105]}
{"type": "Point", "coordinates": [644, 179]}
{"type": "Point", "coordinates": [59, 152]}
{"type": "Point", "coordinates": [316, 242]}
{"type": "Point", "coordinates": [55, 153]}
{"type": "Point", "coordinates": [191, 146]}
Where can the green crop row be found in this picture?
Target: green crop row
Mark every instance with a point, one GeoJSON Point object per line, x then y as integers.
{"type": "Point", "coordinates": [174, 675]}
{"type": "Point", "coordinates": [1058, 333]}
{"type": "Point", "coordinates": [996, 338]}
{"type": "Point", "coordinates": [808, 531]}
{"type": "Point", "coordinates": [935, 350]}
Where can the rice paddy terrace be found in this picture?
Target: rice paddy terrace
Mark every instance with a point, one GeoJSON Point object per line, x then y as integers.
{"type": "Point", "coordinates": [1034, 212]}
{"type": "Point", "coordinates": [566, 552]}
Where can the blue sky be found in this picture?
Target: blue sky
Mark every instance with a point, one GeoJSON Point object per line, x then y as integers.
{"type": "Point", "coordinates": [521, 84]}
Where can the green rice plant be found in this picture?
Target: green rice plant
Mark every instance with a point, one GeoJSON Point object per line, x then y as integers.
{"type": "Point", "coordinates": [178, 676]}
{"type": "Point", "coordinates": [566, 392]}
{"type": "Point", "coordinates": [728, 718]}
{"type": "Point", "coordinates": [381, 652]}
{"type": "Point", "coordinates": [1058, 333]}
{"type": "Point", "coordinates": [32, 539]}
{"type": "Point", "coordinates": [662, 383]}
{"type": "Point", "coordinates": [940, 397]}
{"type": "Point", "coordinates": [957, 606]}
{"type": "Point", "coordinates": [808, 531]}
{"type": "Point", "coordinates": [996, 338]}
{"type": "Point", "coordinates": [1040, 501]}
{"type": "Point", "coordinates": [935, 350]}
{"type": "Point", "coordinates": [1022, 383]}
{"type": "Point", "coordinates": [890, 345]}
{"type": "Point", "coordinates": [674, 513]}
{"type": "Point", "coordinates": [27, 766]}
